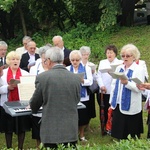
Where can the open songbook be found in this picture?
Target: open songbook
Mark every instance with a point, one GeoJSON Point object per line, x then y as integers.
{"type": "Point", "coordinates": [93, 66]}
{"type": "Point", "coordinates": [106, 70]}
{"type": "Point", "coordinates": [81, 75]}
{"type": "Point", "coordinates": [14, 81]}
{"type": "Point", "coordinates": [118, 75]}
{"type": "Point", "coordinates": [136, 80]}
{"type": "Point", "coordinates": [110, 68]}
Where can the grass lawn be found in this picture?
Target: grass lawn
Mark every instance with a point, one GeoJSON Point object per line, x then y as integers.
{"type": "Point", "coordinates": [93, 137]}
{"type": "Point", "coordinates": [140, 37]}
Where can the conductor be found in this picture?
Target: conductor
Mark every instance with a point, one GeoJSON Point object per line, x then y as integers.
{"type": "Point", "coordinates": [58, 92]}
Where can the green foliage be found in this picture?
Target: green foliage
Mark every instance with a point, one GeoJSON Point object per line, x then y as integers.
{"type": "Point", "coordinates": [6, 5]}
{"type": "Point", "coordinates": [130, 144]}
{"type": "Point", "coordinates": [83, 35]}
{"type": "Point", "coordinates": [97, 40]}
{"type": "Point", "coordinates": [110, 10]}
{"type": "Point", "coordinates": [86, 11]}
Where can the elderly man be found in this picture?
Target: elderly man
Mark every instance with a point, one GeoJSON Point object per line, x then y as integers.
{"type": "Point", "coordinates": [58, 91]}
{"type": "Point", "coordinates": [58, 41]}
{"type": "Point", "coordinates": [3, 50]}
{"type": "Point", "coordinates": [23, 49]}
{"type": "Point", "coordinates": [28, 59]}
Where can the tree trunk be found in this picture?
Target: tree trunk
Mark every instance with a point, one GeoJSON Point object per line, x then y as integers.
{"type": "Point", "coordinates": [22, 20]}
{"type": "Point", "coordinates": [4, 25]}
{"type": "Point", "coordinates": [11, 25]}
{"type": "Point", "coordinates": [127, 18]}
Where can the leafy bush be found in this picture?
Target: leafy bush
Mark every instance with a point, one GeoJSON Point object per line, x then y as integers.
{"type": "Point", "coordinates": [130, 144]}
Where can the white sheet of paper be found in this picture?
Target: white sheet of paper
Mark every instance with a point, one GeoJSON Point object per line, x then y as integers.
{"type": "Point", "coordinates": [136, 80]}
{"type": "Point", "coordinates": [26, 91]}
{"type": "Point", "coordinates": [27, 79]}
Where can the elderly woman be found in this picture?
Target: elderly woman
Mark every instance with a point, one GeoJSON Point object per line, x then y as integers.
{"type": "Point", "coordinates": [104, 79]}
{"type": "Point", "coordinates": [125, 97]}
{"type": "Point", "coordinates": [11, 90]}
{"type": "Point", "coordinates": [77, 67]}
{"type": "Point", "coordinates": [85, 52]}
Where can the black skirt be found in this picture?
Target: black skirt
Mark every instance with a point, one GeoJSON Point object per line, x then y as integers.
{"type": "Point", "coordinates": [123, 125]}
{"type": "Point", "coordinates": [2, 119]}
{"type": "Point", "coordinates": [11, 124]}
{"type": "Point", "coordinates": [92, 105]}
{"type": "Point", "coordinates": [84, 114]}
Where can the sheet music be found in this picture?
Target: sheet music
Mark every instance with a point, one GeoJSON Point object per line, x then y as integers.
{"type": "Point", "coordinates": [26, 91]}
{"type": "Point", "coordinates": [27, 79]}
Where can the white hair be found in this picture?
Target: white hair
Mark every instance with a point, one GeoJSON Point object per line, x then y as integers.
{"type": "Point", "coordinates": [55, 54]}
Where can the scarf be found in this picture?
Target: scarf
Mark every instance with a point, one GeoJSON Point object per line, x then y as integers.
{"type": "Point", "coordinates": [81, 69]}
{"type": "Point", "coordinates": [126, 93]}
{"type": "Point", "coordinates": [13, 94]}
{"type": "Point", "coordinates": [137, 62]}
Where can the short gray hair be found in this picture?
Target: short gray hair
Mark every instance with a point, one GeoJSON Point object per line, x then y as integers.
{"type": "Point", "coordinates": [74, 52]}
{"type": "Point", "coordinates": [85, 49]}
{"type": "Point", "coordinates": [55, 54]}
{"type": "Point", "coordinates": [132, 49]}
{"type": "Point", "coordinates": [57, 37]}
{"type": "Point", "coordinates": [3, 43]}
{"type": "Point", "coordinates": [28, 38]}
{"type": "Point", "coordinates": [43, 49]}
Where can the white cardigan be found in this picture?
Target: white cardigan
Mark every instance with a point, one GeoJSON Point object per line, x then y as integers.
{"type": "Point", "coordinates": [4, 87]}
{"type": "Point", "coordinates": [136, 100]}
{"type": "Point", "coordinates": [104, 79]}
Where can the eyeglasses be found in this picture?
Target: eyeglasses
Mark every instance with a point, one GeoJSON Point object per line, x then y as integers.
{"type": "Point", "coordinates": [75, 59]}
{"type": "Point", "coordinates": [87, 54]}
{"type": "Point", "coordinates": [127, 56]}
{"type": "Point", "coordinates": [46, 60]}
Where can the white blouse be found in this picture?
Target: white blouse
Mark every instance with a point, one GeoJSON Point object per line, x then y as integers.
{"type": "Point", "coordinates": [4, 87]}
{"type": "Point", "coordinates": [87, 82]}
{"type": "Point", "coordinates": [104, 79]}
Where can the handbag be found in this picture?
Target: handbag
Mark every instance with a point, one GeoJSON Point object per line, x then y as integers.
{"type": "Point", "coordinates": [94, 87]}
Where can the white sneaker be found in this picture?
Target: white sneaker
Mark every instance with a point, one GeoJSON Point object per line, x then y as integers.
{"type": "Point", "coordinates": [83, 139]}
